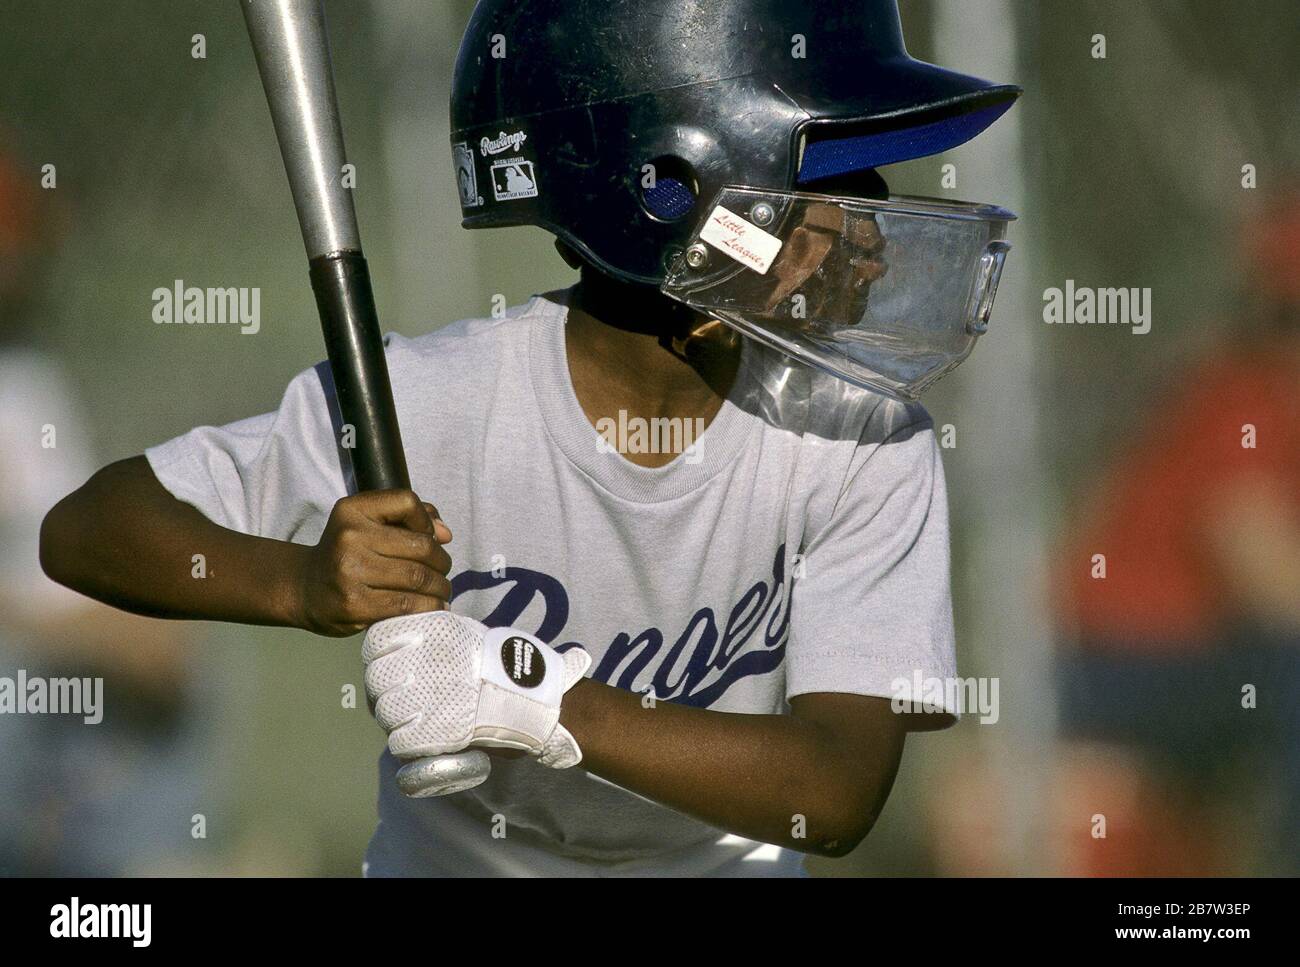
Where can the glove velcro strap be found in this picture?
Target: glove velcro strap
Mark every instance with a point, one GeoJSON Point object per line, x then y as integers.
{"type": "Point", "coordinates": [529, 722]}
{"type": "Point", "coordinates": [561, 750]}
{"type": "Point", "coordinates": [524, 682]}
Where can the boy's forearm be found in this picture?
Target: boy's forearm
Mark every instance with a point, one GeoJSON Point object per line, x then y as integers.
{"type": "Point", "coordinates": [124, 540]}
{"type": "Point", "coordinates": [776, 778]}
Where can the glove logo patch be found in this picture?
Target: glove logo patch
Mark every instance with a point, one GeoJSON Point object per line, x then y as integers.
{"type": "Point", "coordinates": [523, 662]}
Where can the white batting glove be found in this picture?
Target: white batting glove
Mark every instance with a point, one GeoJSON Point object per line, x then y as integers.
{"type": "Point", "coordinates": [440, 682]}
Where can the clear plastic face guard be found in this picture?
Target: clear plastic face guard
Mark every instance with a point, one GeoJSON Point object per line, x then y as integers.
{"type": "Point", "coordinates": [888, 295]}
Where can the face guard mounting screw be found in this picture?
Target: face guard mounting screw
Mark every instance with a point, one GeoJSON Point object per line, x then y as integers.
{"type": "Point", "coordinates": [697, 256]}
{"type": "Point", "coordinates": [762, 214]}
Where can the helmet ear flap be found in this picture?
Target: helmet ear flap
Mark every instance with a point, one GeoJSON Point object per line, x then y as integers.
{"type": "Point", "coordinates": [570, 255]}
{"type": "Point", "coordinates": [579, 262]}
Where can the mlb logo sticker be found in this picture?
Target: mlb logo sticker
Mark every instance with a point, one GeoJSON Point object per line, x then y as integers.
{"type": "Point", "coordinates": [466, 178]}
{"type": "Point", "coordinates": [513, 178]}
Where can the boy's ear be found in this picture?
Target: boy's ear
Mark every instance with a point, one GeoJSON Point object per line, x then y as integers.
{"type": "Point", "coordinates": [574, 260]}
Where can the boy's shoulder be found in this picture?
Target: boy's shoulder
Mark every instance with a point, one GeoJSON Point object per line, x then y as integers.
{"type": "Point", "coordinates": [474, 339]}
{"type": "Point", "coordinates": [469, 358]}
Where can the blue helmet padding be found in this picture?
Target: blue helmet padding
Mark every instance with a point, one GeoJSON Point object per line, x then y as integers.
{"type": "Point", "coordinates": [837, 156]}
{"type": "Point", "coordinates": [668, 199]}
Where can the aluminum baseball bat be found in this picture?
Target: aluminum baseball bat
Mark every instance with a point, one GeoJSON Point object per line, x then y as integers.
{"type": "Point", "coordinates": [292, 49]}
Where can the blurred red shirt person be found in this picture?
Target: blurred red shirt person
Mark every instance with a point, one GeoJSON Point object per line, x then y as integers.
{"type": "Point", "coordinates": [1169, 498]}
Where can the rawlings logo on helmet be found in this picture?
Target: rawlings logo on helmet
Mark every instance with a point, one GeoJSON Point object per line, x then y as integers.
{"type": "Point", "coordinates": [502, 142]}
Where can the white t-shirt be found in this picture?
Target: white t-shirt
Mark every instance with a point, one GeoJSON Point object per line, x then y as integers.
{"type": "Point", "coordinates": [801, 547]}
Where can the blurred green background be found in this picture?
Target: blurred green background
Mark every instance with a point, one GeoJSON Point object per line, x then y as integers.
{"type": "Point", "coordinates": [1125, 171]}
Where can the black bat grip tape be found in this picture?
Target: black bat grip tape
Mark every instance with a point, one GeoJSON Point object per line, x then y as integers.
{"type": "Point", "coordinates": [355, 348]}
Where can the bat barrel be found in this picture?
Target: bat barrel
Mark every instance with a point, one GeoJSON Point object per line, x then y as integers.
{"type": "Point", "coordinates": [293, 59]}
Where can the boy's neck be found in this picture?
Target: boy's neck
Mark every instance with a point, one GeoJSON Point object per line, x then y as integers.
{"type": "Point", "coordinates": [644, 341]}
{"type": "Point", "coordinates": [630, 348]}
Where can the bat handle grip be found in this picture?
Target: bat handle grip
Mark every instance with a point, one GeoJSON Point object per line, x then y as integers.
{"type": "Point", "coordinates": [355, 346]}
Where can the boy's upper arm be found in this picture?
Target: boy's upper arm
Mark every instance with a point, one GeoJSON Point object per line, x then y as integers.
{"type": "Point", "coordinates": [274, 475]}
{"type": "Point", "coordinates": [871, 612]}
